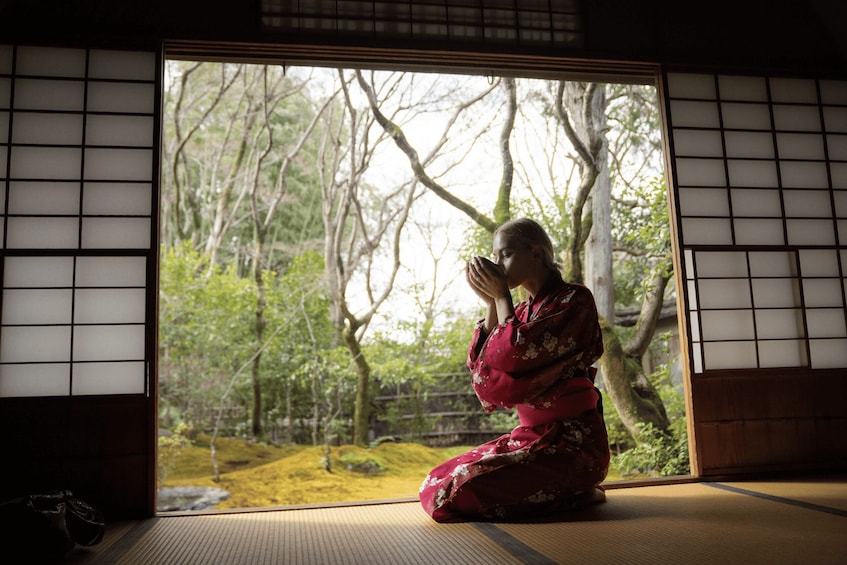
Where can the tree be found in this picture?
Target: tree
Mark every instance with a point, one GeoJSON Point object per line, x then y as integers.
{"type": "Point", "coordinates": [264, 201]}
{"type": "Point", "coordinates": [634, 396]}
{"type": "Point", "coordinates": [586, 134]}
{"type": "Point", "coordinates": [360, 220]}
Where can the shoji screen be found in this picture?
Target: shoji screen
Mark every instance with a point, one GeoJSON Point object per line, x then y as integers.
{"type": "Point", "coordinates": [760, 189]}
{"type": "Point", "coordinates": [78, 155]}
{"type": "Point", "coordinates": [761, 169]}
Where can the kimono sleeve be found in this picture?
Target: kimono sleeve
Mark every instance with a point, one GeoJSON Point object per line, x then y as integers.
{"type": "Point", "coordinates": [567, 330]}
{"type": "Point", "coordinates": [531, 362]}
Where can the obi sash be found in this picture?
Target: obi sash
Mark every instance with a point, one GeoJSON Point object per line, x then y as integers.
{"type": "Point", "coordinates": [578, 397]}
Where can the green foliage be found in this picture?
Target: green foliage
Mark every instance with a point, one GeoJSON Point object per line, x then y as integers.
{"type": "Point", "coordinates": [171, 447]}
{"type": "Point", "coordinates": [361, 462]}
{"type": "Point", "coordinates": [205, 322]}
{"type": "Point", "coordinates": [658, 454]}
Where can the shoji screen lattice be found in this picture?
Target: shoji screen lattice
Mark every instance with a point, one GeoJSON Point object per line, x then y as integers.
{"type": "Point", "coordinates": [78, 153]}
{"type": "Point", "coordinates": [761, 173]}
{"type": "Point", "coordinates": [528, 22]}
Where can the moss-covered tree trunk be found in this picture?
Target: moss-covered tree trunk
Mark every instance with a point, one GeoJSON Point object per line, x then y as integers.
{"type": "Point", "coordinates": [632, 394]}
{"type": "Point", "coordinates": [361, 412]}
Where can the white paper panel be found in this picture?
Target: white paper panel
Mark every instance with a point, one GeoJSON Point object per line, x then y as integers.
{"type": "Point", "coordinates": [6, 59]}
{"type": "Point", "coordinates": [109, 306]}
{"type": "Point", "coordinates": [61, 163]}
{"type": "Point", "coordinates": [800, 146]}
{"type": "Point", "coordinates": [118, 164]}
{"type": "Point", "coordinates": [752, 173]}
{"type": "Point", "coordinates": [796, 118]}
{"type": "Point", "coordinates": [727, 324]}
{"type": "Point", "coordinates": [743, 88]}
{"type": "Point", "coordinates": [807, 203]}
{"type": "Point", "coordinates": [108, 378]}
{"type": "Point", "coordinates": [37, 306]}
{"type": "Point", "coordinates": [697, 143]}
{"type": "Point", "coordinates": [117, 198]}
{"type": "Point", "coordinates": [696, 350]}
{"type": "Point", "coordinates": [773, 264]}
{"type": "Point", "coordinates": [746, 116]}
{"type": "Point", "coordinates": [108, 343]}
{"type": "Point", "coordinates": [42, 94]}
{"type": "Point", "coordinates": [688, 257]}
{"type": "Point", "coordinates": [775, 293]}
{"type": "Point", "coordinates": [811, 232]}
{"type": "Point", "coordinates": [121, 97]}
{"type": "Point", "coordinates": [783, 353]}
{"type": "Point", "coordinates": [835, 119]}
{"type": "Point", "coordinates": [5, 92]}
{"type": "Point", "coordinates": [703, 202]}
{"type": "Point", "coordinates": [4, 130]}
{"type": "Point", "coordinates": [3, 164]}
{"type": "Point", "coordinates": [833, 91]}
{"type": "Point", "coordinates": [828, 353]}
{"type": "Point", "coordinates": [22, 344]}
{"type": "Point", "coordinates": [111, 271]}
{"type": "Point", "coordinates": [685, 113]}
{"type": "Point", "coordinates": [706, 231]}
{"type": "Point", "coordinates": [34, 380]}
{"type": "Point", "coordinates": [842, 230]}
{"type": "Point", "coordinates": [730, 355]}
{"type": "Point", "coordinates": [115, 233]}
{"type": "Point", "coordinates": [803, 175]}
{"type": "Point", "coordinates": [44, 198]}
{"type": "Point", "coordinates": [826, 322]}
{"type": "Point", "coordinates": [42, 272]}
{"type": "Point", "coordinates": [836, 146]}
{"type": "Point", "coordinates": [756, 202]}
{"type": "Point", "coordinates": [819, 263]}
{"type": "Point", "coordinates": [700, 172]}
{"type": "Point", "coordinates": [779, 324]}
{"type": "Point", "coordinates": [693, 302]}
{"type": "Point", "coordinates": [822, 292]}
{"type": "Point", "coordinates": [721, 264]}
{"type": "Point", "coordinates": [724, 293]}
{"type": "Point", "coordinates": [838, 172]}
{"type": "Point", "coordinates": [48, 61]}
{"type": "Point", "coordinates": [42, 233]}
{"type": "Point", "coordinates": [695, 326]}
{"type": "Point", "coordinates": [47, 129]}
{"type": "Point", "coordinates": [793, 90]}
{"type": "Point", "coordinates": [840, 204]}
{"type": "Point", "coordinates": [746, 144]}
{"type": "Point", "coordinates": [127, 131]}
{"type": "Point", "coordinates": [753, 231]}
{"type": "Point", "coordinates": [691, 86]}
{"type": "Point", "coordinates": [135, 65]}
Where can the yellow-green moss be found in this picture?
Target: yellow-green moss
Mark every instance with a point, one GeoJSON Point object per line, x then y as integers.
{"type": "Point", "coordinates": [260, 476]}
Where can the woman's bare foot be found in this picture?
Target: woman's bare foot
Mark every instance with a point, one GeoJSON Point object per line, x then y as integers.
{"type": "Point", "coordinates": [587, 498]}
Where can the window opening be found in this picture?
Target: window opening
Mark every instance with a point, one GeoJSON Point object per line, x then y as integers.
{"type": "Point", "coordinates": [257, 381]}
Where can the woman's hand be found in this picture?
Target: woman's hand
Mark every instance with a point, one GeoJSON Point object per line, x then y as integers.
{"type": "Point", "coordinates": [487, 279]}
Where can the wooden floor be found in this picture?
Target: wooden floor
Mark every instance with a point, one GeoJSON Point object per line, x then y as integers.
{"type": "Point", "coordinates": [795, 520]}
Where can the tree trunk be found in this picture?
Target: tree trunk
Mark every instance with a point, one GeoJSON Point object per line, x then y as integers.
{"type": "Point", "coordinates": [634, 397]}
{"type": "Point", "coordinates": [361, 413]}
{"type": "Point", "coordinates": [258, 431]}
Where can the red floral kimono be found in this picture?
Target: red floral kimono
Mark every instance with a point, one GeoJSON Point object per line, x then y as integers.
{"type": "Point", "coordinates": [539, 362]}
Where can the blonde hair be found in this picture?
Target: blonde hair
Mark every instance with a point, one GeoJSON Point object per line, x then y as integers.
{"type": "Point", "coordinates": [530, 234]}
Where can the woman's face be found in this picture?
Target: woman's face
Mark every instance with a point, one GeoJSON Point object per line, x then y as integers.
{"type": "Point", "coordinates": [518, 261]}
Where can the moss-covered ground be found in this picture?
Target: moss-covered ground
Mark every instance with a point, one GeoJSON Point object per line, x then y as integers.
{"type": "Point", "coordinates": [260, 475]}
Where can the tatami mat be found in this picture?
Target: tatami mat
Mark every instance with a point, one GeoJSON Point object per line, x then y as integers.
{"type": "Point", "coordinates": [767, 522]}
{"type": "Point", "coordinates": [690, 523]}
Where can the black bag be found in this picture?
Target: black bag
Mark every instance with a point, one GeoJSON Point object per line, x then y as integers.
{"type": "Point", "coordinates": [45, 527]}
